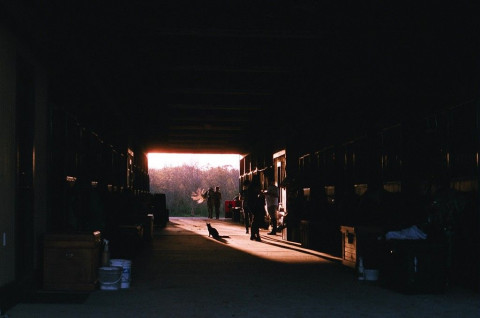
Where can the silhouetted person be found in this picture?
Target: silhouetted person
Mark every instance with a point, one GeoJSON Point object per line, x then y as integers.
{"type": "Point", "coordinates": [271, 201]}
{"type": "Point", "coordinates": [210, 200]}
{"type": "Point", "coordinates": [217, 198]}
{"type": "Point", "coordinates": [248, 197]}
{"type": "Point", "coordinates": [258, 208]}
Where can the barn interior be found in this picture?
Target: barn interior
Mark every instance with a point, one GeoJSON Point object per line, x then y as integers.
{"type": "Point", "coordinates": [354, 96]}
{"type": "Point", "coordinates": [232, 77]}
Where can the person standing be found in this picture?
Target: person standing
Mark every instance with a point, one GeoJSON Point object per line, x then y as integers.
{"type": "Point", "coordinates": [258, 210]}
{"type": "Point", "coordinates": [271, 201]}
{"type": "Point", "coordinates": [217, 198]}
{"type": "Point", "coordinates": [210, 200]}
{"type": "Point", "coordinates": [247, 197]}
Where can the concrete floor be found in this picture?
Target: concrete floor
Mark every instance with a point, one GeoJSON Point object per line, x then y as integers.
{"type": "Point", "coordinates": [185, 273]}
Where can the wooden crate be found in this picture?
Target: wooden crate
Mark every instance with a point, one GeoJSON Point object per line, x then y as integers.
{"type": "Point", "coordinates": [349, 246]}
{"type": "Point", "coordinates": [71, 261]}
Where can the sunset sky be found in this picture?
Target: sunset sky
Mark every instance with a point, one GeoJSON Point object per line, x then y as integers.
{"type": "Point", "coordinates": [161, 160]}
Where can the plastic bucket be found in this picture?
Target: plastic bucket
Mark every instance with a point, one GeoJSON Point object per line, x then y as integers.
{"type": "Point", "coordinates": [110, 277]}
{"type": "Point", "coordinates": [126, 272]}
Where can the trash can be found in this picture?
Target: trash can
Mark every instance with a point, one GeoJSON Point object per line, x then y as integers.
{"type": "Point", "coordinates": [236, 213]}
{"type": "Point", "coordinates": [414, 266]}
{"type": "Point", "coordinates": [229, 204]}
{"type": "Point", "coordinates": [149, 226]}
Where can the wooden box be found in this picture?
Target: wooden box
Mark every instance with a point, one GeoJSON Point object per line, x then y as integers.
{"type": "Point", "coordinates": [361, 241]}
{"type": "Point", "coordinates": [71, 261]}
{"type": "Point", "coordinates": [349, 246]}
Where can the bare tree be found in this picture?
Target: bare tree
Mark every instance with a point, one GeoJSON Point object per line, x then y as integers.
{"type": "Point", "coordinates": [178, 184]}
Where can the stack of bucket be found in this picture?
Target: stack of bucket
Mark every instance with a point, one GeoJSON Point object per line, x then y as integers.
{"type": "Point", "coordinates": [110, 277]}
{"type": "Point", "coordinates": [115, 276]}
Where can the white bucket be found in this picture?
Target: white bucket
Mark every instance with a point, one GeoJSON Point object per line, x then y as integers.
{"type": "Point", "coordinates": [127, 270]}
{"type": "Point", "coordinates": [110, 278]}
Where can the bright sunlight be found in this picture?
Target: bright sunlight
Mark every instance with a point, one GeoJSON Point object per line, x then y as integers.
{"type": "Point", "coordinates": [162, 160]}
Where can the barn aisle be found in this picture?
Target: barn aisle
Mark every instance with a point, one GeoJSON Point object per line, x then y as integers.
{"type": "Point", "coordinates": [186, 273]}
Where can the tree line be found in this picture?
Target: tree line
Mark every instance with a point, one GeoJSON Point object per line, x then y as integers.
{"type": "Point", "coordinates": [182, 185]}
